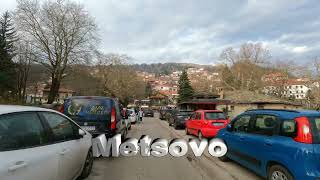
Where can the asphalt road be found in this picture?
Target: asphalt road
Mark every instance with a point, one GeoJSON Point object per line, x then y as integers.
{"type": "Point", "coordinates": [166, 168]}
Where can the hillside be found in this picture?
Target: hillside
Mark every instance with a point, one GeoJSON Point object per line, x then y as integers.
{"type": "Point", "coordinates": [167, 68]}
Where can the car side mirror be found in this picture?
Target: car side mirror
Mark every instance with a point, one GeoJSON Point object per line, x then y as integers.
{"type": "Point", "coordinates": [229, 127]}
{"type": "Point", "coordinates": [81, 133]}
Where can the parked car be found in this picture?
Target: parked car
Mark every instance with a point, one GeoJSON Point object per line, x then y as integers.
{"type": "Point", "coordinates": [132, 115]}
{"type": "Point", "coordinates": [206, 123]}
{"type": "Point", "coordinates": [37, 144]}
{"type": "Point", "coordinates": [178, 118]}
{"type": "Point", "coordinates": [98, 115]}
{"type": "Point", "coordinates": [162, 113]}
{"type": "Point", "coordinates": [168, 114]}
{"type": "Point", "coordinates": [276, 144]}
{"type": "Point", "coordinates": [148, 112]}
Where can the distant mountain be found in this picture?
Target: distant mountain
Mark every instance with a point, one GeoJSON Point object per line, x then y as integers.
{"type": "Point", "coordinates": [167, 68]}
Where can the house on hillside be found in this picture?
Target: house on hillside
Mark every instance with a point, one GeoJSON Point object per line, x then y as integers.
{"type": "Point", "coordinates": [39, 94]}
{"type": "Point", "coordinates": [240, 101]}
{"type": "Point", "coordinates": [233, 103]}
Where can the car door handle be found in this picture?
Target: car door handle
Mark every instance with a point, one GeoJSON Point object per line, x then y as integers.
{"type": "Point", "coordinates": [242, 138]}
{"type": "Point", "coordinates": [63, 152]}
{"type": "Point", "coordinates": [18, 165]}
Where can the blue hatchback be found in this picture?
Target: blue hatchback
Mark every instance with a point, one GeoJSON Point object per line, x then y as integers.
{"type": "Point", "coordinates": [276, 144]}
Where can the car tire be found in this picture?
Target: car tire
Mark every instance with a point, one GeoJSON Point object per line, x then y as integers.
{"type": "Point", "coordinates": [187, 131]}
{"type": "Point", "coordinates": [224, 158]}
{"type": "Point", "coordinates": [280, 172]}
{"type": "Point", "coordinates": [124, 134]}
{"type": "Point", "coordinates": [175, 125]}
{"type": "Point", "coordinates": [200, 135]}
{"type": "Point", "coordinates": [87, 168]}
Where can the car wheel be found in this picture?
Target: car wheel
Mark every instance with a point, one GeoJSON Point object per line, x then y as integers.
{"type": "Point", "coordinates": [124, 134]}
{"type": "Point", "coordinates": [87, 168]}
{"type": "Point", "coordinates": [187, 131]}
{"type": "Point", "coordinates": [224, 158]}
{"type": "Point", "coordinates": [278, 172]}
{"type": "Point", "coordinates": [200, 135]}
{"type": "Point", "coordinates": [175, 125]}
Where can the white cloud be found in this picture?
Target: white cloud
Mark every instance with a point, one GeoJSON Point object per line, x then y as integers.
{"type": "Point", "coordinates": [197, 31]}
{"type": "Point", "coordinates": [300, 49]}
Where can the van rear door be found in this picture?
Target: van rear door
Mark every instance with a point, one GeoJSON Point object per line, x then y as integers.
{"type": "Point", "coordinates": [92, 114]}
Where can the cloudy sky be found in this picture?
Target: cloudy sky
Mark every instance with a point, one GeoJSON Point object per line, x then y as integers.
{"type": "Point", "coordinates": [196, 31]}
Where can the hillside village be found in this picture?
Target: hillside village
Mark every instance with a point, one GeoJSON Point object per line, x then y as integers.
{"type": "Point", "coordinates": [275, 86]}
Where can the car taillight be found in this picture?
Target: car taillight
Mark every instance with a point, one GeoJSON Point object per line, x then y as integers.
{"type": "Point", "coordinates": [61, 109]}
{"type": "Point", "coordinates": [113, 118]}
{"type": "Point", "coordinates": [304, 134]}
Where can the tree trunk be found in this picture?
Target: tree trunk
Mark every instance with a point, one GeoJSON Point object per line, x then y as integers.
{"type": "Point", "coordinates": [54, 89]}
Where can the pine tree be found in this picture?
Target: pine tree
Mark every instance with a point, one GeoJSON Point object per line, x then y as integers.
{"type": "Point", "coordinates": [8, 37]}
{"type": "Point", "coordinates": [185, 89]}
{"type": "Point", "coordinates": [148, 90]}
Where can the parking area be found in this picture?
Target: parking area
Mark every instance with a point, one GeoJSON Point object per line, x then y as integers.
{"type": "Point", "coordinates": [168, 167]}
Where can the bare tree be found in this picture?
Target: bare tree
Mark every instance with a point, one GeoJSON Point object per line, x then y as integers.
{"type": "Point", "coordinates": [25, 56]}
{"type": "Point", "coordinates": [243, 69]}
{"type": "Point", "coordinates": [118, 79]}
{"type": "Point", "coordinates": [62, 32]}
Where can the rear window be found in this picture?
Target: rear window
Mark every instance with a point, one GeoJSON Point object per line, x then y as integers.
{"type": "Point", "coordinates": [182, 113]}
{"type": "Point", "coordinates": [214, 115]}
{"type": "Point", "coordinates": [129, 112]}
{"type": "Point", "coordinates": [88, 109]}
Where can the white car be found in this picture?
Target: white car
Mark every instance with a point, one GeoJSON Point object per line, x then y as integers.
{"type": "Point", "coordinates": [132, 115]}
{"type": "Point", "coordinates": [38, 144]}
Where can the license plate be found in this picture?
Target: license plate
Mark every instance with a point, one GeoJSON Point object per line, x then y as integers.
{"type": "Point", "coordinates": [218, 124]}
{"type": "Point", "coordinates": [88, 128]}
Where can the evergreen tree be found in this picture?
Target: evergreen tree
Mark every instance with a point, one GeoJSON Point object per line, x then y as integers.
{"type": "Point", "coordinates": [148, 90]}
{"type": "Point", "coordinates": [8, 37]}
{"type": "Point", "coordinates": [185, 89]}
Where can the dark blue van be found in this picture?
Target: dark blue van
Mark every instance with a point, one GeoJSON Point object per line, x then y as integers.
{"type": "Point", "coordinates": [98, 115]}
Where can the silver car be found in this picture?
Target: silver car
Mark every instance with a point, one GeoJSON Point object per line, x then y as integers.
{"type": "Point", "coordinates": [42, 144]}
{"type": "Point", "coordinates": [132, 115]}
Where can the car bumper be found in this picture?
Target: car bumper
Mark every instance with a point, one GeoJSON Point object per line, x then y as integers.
{"type": "Point", "coordinates": [108, 133]}
{"type": "Point", "coordinates": [209, 132]}
{"type": "Point", "coordinates": [134, 119]}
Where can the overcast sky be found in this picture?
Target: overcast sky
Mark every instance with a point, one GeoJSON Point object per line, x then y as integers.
{"type": "Point", "coordinates": [196, 31]}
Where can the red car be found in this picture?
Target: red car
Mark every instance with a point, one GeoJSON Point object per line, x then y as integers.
{"type": "Point", "coordinates": [206, 123]}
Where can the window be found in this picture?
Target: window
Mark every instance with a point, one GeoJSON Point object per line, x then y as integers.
{"type": "Point", "coordinates": [264, 124]}
{"type": "Point", "coordinates": [242, 124]}
{"type": "Point", "coordinates": [193, 116]}
{"type": "Point", "coordinates": [198, 117]}
{"type": "Point", "coordinates": [21, 130]}
{"type": "Point", "coordinates": [62, 128]}
{"type": "Point", "coordinates": [288, 128]}
{"type": "Point", "coordinates": [215, 115]}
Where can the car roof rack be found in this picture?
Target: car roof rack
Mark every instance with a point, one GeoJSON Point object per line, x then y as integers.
{"type": "Point", "coordinates": [281, 110]}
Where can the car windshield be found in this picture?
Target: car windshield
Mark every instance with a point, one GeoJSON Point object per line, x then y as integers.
{"type": "Point", "coordinates": [214, 115]}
